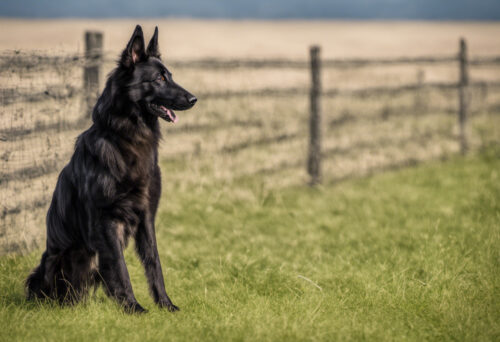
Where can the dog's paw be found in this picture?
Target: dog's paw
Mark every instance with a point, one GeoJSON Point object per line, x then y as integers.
{"type": "Point", "coordinates": [169, 306]}
{"type": "Point", "coordinates": [173, 308]}
{"type": "Point", "coordinates": [134, 308]}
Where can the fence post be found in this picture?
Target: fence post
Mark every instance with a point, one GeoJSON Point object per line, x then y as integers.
{"type": "Point", "coordinates": [314, 158]}
{"type": "Point", "coordinates": [92, 69]}
{"type": "Point", "coordinates": [463, 95]}
{"type": "Point", "coordinates": [419, 103]}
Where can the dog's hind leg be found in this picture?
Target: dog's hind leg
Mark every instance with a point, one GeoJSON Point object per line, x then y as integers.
{"type": "Point", "coordinates": [35, 283]}
{"type": "Point", "coordinates": [112, 268]}
{"type": "Point", "coordinates": [45, 280]}
{"type": "Point", "coordinates": [78, 272]}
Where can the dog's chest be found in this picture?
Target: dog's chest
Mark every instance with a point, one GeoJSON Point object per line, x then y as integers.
{"type": "Point", "coordinates": [134, 188]}
{"type": "Point", "coordinates": [140, 165]}
{"type": "Point", "coordinates": [137, 181]}
{"type": "Point", "coordinates": [131, 208]}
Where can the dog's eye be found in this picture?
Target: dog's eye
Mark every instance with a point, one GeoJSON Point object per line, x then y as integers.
{"type": "Point", "coordinates": [161, 78]}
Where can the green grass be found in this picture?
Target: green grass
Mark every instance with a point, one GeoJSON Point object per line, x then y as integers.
{"type": "Point", "coordinates": [405, 255]}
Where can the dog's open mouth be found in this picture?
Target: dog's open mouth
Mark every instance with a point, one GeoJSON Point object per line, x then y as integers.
{"type": "Point", "coordinates": [164, 113]}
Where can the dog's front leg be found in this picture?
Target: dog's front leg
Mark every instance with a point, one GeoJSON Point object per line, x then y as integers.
{"type": "Point", "coordinates": [108, 240]}
{"type": "Point", "coordinates": [145, 242]}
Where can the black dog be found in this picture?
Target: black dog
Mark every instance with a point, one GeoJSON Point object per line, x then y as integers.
{"type": "Point", "coordinates": [110, 189]}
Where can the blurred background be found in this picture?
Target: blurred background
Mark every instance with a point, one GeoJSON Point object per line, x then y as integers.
{"type": "Point", "coordinates": [396, 87]}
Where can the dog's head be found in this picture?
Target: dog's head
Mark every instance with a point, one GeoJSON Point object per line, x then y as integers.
{"type": "Point", "coordinates": [149, 83]}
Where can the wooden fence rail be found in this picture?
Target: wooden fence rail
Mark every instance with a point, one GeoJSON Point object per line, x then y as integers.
{"type": "Point", "coordinates": [34, 61]}
{"type": "Point", "coordinates": [62, 92]}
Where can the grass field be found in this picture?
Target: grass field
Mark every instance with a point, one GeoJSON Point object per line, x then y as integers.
{"type": "Point", "coordinates": [408, 255]}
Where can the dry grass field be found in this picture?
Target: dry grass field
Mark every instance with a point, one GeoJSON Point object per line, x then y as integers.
{"type": "Point", "coordinates": [193, 39]}
{"type": "Point", "coordinates": [360, 133]}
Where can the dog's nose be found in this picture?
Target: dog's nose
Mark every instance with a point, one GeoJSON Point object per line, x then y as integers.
{"type": "Point", "coordinates": [192, 100]}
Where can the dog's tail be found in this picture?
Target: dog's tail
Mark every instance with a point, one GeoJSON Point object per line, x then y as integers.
{"type": "Point", "coordinates": [35, 283]}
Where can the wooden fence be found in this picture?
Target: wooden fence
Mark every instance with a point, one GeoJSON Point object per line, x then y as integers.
{"type": "Point", "coordinates": [315, 154]}
{"type": "Point", "coordinates": [94, 57]}
{"type": "Point", "coordinates": [36, 141]}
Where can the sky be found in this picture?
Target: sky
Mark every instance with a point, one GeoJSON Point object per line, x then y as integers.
{"type": "Point", "coordinates": [256, 9]}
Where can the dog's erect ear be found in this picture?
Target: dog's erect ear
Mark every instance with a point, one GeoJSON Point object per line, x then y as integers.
{"type": "Point", "coordinates": [153, 49]}
{"type": "Point", "coordinates": [134, 52]}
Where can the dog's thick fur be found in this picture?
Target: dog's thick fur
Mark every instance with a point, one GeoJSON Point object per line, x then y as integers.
{"type": "Point", "coordinates": [110, 189]}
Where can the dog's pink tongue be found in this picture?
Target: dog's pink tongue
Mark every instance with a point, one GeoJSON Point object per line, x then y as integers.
{"type": "Point", "coordinates": [171, 115]}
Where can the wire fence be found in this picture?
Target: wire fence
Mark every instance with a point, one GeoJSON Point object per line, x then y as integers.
{"type": "Point", "coordinates": [252, 120]}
